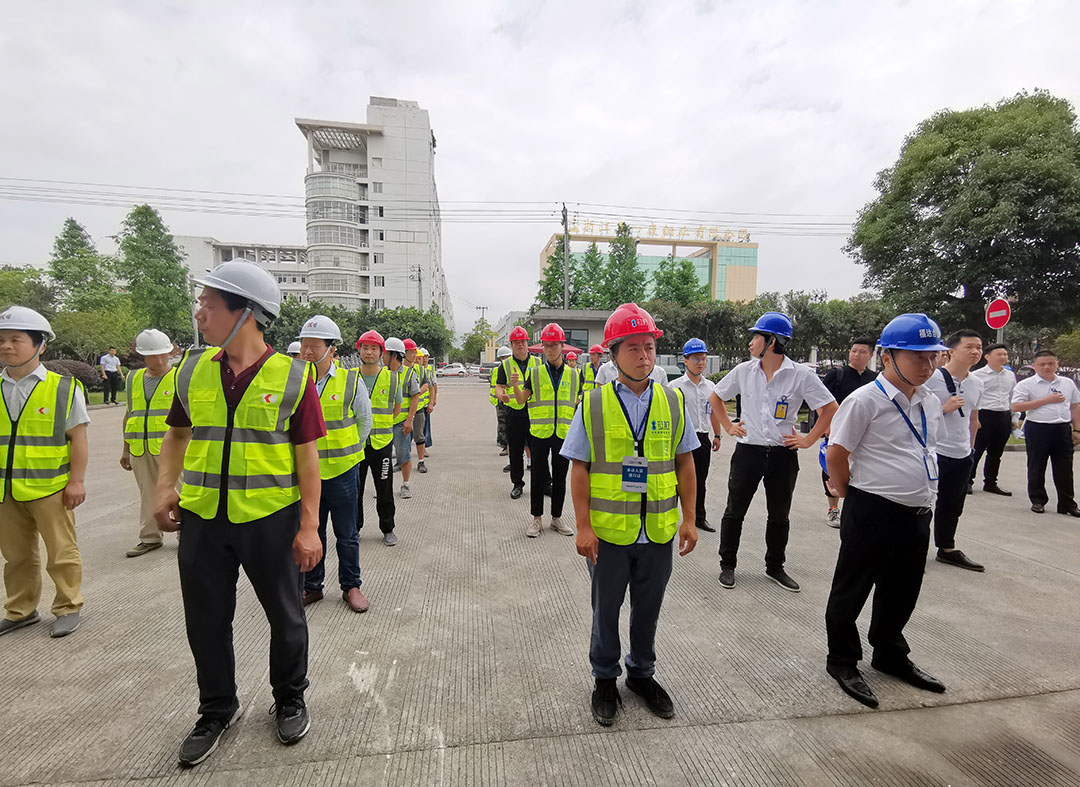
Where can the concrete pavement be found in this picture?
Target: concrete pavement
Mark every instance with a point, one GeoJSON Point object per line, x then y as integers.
{"type": "Point", "coordinates": [472, 666]}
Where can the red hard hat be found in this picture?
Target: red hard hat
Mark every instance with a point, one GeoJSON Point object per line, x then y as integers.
{"type": "Point", "coordinates": [571, 356]}
{"type": "Point", "coordinates": [596, 348]}
{"type": "Point", "coordinates": [629, 320]}
{"type": "Point", "coordinates": [410, 344]}
{"type": "Point", "coordinates": [519, 334]}
{"type": "Point", "coordinates": [552, 332]}
{"type": "Point", "coordinates": [371, 337]}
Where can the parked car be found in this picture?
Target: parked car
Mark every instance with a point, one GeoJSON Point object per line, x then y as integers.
{"type": "Point", "coordinates": [473, 370]}
{"type": "Point", "coordinates": [452, 370]}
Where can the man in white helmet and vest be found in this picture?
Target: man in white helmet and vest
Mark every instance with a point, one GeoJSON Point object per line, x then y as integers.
{"type": "Point", "coordinates": [632, 447]}
{"type": "Point", "coordinates": [243, 428]}
{"type": "Point", "coordinates": [149, 398]}
{"type": "Point", "coordinates": [43, 458]}
{"type": "Point", "coordinates": [346, 411]}
{"type": "Point", "coordinates": [500, 408]}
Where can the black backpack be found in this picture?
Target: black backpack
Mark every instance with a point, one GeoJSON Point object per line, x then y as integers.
{"type": "Point", "coordinates": [951, 385]}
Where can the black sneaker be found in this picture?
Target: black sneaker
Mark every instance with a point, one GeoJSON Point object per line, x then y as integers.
{"type": "Point", "coordinates": [605, 701]}
{"type": "Point", "coordinates": [516, 492]}
{"type": "Point", "coordinates": [654, 695]}
{"type": "Point", "coordinates": [727, 578]}
{"type": "Point", "coordinates": [506, 469]}
{"type": "Point", "coordinates": [292, 719]}
{"type": "Point", "coordinates": [781, 578]}
{"type": "Point", "coordinates": [203, 739]}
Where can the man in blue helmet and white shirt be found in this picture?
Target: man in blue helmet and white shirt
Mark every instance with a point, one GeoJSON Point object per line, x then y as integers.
{"type": "Point", "coordinates": [773, 389]}
{"type": "Point", "coordinates": [882, 458]}
{"type": "Point", "coordinates": [696, 389]}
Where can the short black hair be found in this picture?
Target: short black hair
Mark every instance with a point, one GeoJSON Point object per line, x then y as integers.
{"type": "Point", "coordinates": [779, 343]}
{"type": "Point", "coordinates": [960, 335]}
{"type": "Point", "coordinates": [36, 337]}
{"type": "Point", "coordinates": [1045, 354]}
{"type": "Point", "coordinates": [236, 303]}
{"type": "Point", "coordinates": [864, 340]}
{"type": "Point", "coordinates": [995, 346]}
{"type": "Point", "coordinates": [112, 348]}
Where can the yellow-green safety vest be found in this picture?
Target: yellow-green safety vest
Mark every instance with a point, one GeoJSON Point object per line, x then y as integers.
{"type": "Point", "coordinates": [551, 409]}
{"type": "Point", "coordinates": [34, 453]}
{"type": "Point", "coordinates": [491, 391]}
{"type": "Point", "coordinates": [405, 374]}
{"type": "Point", "coordinates": [341, 449]}
{"type": "Point", "coordinates": [382, 411]}
{"type": "Point", "coordinates": [588, 378]}
{"type": "Point", "coordinates": [511, 363]}
{"type": "Point", "coordinates": [261, 477]}
{"type": "Point", "coordinates": [425, 397]}
{"type": "Point", "coordinates": [615, 515]}
{"type": "Point", "coordinates": [144, 423]}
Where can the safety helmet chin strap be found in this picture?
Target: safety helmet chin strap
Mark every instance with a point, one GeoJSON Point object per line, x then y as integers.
{"type": "Point", "coordinates": [248, 310]}
{"type": "Point", "coordinates": [770, 339]}
{"type": "Point", "coordinates": [896, 366]}
{"type": "Point", "coordinates": [322, 358]}
{"type": "Point", "coordinates": [623, 372]}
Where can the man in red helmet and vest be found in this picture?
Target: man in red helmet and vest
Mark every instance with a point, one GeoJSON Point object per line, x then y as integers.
{"type": "Point", "coordinates": [512, 374]}
{"type": "Point", "coordinates": [590, 369]}
{"type": "Point", "coordinates": [386, 396]}
{"type": "Point", "coordinates": [551, 393]}
{"type": "Point", "coordinates": [632, 445]}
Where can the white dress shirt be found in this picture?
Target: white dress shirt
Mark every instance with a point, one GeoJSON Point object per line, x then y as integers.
{"type": "Point", "coordinates": [361, 403]}
{"type": "Point", "coordinates": [1036, 388]}
{"type": "Point", "coordinates": [997, 388]}
{"type": "Point", "coordinates": [110, 362]}
{"type": "Point", "coordinates": [954, 441]}
{"type": "Point", "coordinates": [16, 392]}
{"type": "Point", "coordinates": [791, 386]}
{"type": "Point", "coordinates": [886, 458]}
{"type": "Point", "coordinates": [607, 373]}
{"type": "Point", "coordinates": [696, 396]}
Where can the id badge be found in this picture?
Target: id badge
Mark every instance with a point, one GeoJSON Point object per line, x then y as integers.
{"type": "Point", "coordinates": [780, 413]}
{"type": "Point", "coordinates": [635, 474]}
{"type": "Point", "coordinates": [930, 460]}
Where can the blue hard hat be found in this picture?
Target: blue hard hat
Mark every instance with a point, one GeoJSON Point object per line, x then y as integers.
{"type": "Point", "coordinates": [911, 332]}
{"type": "Point", "coordinates": [693, 346]}
{"type": "Point", "coordinates": [775, 323]}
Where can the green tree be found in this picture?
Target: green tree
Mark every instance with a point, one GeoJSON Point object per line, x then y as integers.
{"type": "Point", "coordinates": [981, 203]}
{"type": "Point", "coordinates": [550, 293]}
{"type": "Point", "coordinates": [86, 335]}
{"type": "Point", "coordinates": [676, 280]}
{"type": "Point", "coordinates": [588, 284]}
{"type": "Point", "coordinates": [477, 339]}
{"type": "Point", "coordinates": [82, 278]}
{"type": "Point", "coordinates": [624, 280]}
{"type": "Point", "coordinates": [153, 267]}
{"type": "Point", "coordinates": [25, 287]}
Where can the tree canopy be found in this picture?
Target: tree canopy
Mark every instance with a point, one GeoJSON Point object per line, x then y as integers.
{"type": "Point", "coordinates": [676, 280]}
{"type": "Point", "coordinates": [624, 280]}
{"type": "Point", "coordinates": [153, 267]}
{"type": "Point", "coordinates": [550, 293]}
{"type": "Point", "coordinates": [82, 278]}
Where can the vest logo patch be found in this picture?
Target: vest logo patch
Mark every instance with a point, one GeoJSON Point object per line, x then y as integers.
{"type": "Point", "coordinates": [168, 393]}
{"type": "Point", "coordinates": [270, 398]}
{"type": "Point", "coordinates": [335, 398]}
{"type": "Point", "coordinates": [43, 410]}
{"type": "Point", "coordinates": [661, 425]}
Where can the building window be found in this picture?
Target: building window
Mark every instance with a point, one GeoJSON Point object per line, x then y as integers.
{"type": "Point", "coordinates": [365, 285]}
{"type": "Point", "coordinates": [380, 281]}
{"type": "Point", "coordinates": [338, 235]}
{"type": "Point", "coordinates": [380, 235]}
{"type": "Point", "coordinates": [378, 258]}
{"type": "Point", "coordinates": [376, 186]}
{"type": "Point", "coordinates": [303, 279]}
{"type": "Point", "coordinates": [294, 280]}
{"type": "Point", "coordinates": [378, 303]}
{"type": "Point", "coordinates": [382, 214]}
{"type": "Point", "coordinates": [376, 161]}
{"type": "Point", "coordinates": [334, 211]}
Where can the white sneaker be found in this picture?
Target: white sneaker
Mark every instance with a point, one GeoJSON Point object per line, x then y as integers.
{"type": "Point", "coordinates": [533, 529]}
{"type": "Point", "coordinates": [560, 527]}
{"type": "Point", "coordinates": [832, 519]}
{"type": "Point", "coordinates": [405, 493]}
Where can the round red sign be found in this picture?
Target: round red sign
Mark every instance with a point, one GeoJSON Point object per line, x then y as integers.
{"type": "Point", "coordinates": [998, 313]}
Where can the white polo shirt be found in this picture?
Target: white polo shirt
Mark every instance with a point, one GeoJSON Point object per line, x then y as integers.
{"type": "Point", "coordinates": [955, 438]}
{"type": "Point", "coordinates": [770, 409]}
{"type": "Point", "coordinates": [997, 388]}
{"type": "Point", "coordinates": [696, 397]}
{"type": "Point", "coordinates": [1036, 388]}
{"type": "Point", "coordinates": [886, 458]}
{"type": "Point", "coordinates": [607, 373]}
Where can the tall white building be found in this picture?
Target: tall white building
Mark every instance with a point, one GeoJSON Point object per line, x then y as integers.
{"type": "Point", "coordinates": [373, 224]}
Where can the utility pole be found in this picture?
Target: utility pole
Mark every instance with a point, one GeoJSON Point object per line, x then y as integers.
{"type": "Point", "coordinates": [566, 259]}
{"type": "Point", "coordinates": [417, 275]}
{"type": "Point", "coordinates": [482, 310]}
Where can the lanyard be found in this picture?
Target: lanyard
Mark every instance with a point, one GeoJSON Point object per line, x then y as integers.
{"type": "Point", "coordinates": [644, 420]}
{"type": "Point", "coordinates": [911, 426]}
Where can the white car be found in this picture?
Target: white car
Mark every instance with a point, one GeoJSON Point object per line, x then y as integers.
{"type": "Point", "coordinates": [452, 370]}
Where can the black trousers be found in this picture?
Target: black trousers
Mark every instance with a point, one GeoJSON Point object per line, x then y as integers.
{"type": "Point", "coordinates": [544, 474]}
{"type": "Point", "coordinates": [702, 458]}
{"type": "Point", "coordinates": [378, 461]}
{"type": "Point", "coordinates": [882, 546]}
{"type": "Point", "coordinates": [517, 435]}
{"type": "Point", "coordinates": [995, 426]}
{"type": "Point", "coordinates": [778, 467]}
{"type": "Point", "coordinates": [114, 381]}
{"type": "Point", "coordinates": [210, 556]}
{"type": "Point", "coordinates": [1053, 442]}
{"type": "Point", "coordinates": [953, 478]}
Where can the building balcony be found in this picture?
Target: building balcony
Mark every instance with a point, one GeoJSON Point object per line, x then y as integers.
{"type": "Point", "coordinates": [331, 185]}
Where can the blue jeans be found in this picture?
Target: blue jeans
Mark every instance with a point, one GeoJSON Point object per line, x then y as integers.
{"type": "Point", "coordinates": [338, 502]}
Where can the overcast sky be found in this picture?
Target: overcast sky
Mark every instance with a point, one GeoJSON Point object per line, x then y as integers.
{"type": "Point", "coordinates": [750, 107]}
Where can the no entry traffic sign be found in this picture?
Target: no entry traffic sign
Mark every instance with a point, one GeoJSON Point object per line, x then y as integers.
{"type": "Point", "coordinates": [998, 313]}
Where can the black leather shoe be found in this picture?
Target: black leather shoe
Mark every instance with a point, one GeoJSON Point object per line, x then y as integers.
{"type": "Point", "coordinates": [994, 489]}
{"type": "Point", "coordinates": [911, 675]}
{"type": "Point", "coordinates": [1038, 508]}
{"type": "Point", "coordinates": [704, 525]}
{"type": "Point", "coordinates": [654, 695]}
{"type": "Point", "coordinates": [506, 469]}
{"type": "Point", "coordinates": [515, 493]}
{"type": "Point", "coordinates": [605, 701]}
{"type": "Point", "coordinates": [851, 681]}
{"type": "Point", "coordinates": [1074, 511]}
{"type": "Point", "coordinates": [781, 578]}
{"type": "Point", "coordinates": [727, 578]}
{"type": "Point", "coordinates": [958, 558]}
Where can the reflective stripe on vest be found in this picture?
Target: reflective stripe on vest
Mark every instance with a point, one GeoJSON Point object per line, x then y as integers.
{"type": "Point", "coordinates": [511, 363]}
{"type": "Point", "coordinates": [425, 397]}
{"type": "Point", "coordinates": [616, 515]}
{"type": "Point", "coordinates": [341, 449]}
{"type": "Point", "coordinates": [491, 392]}
{"type": "Point", "coordinates": [382, 412]}
{"type": "Point", "coordinates": [261, 477]}
{"type": "Point", "coordinates": [34, 452]}
{"type": "Point", "coordinates": [551, 410]}
{"type": "Point", "coordinates": [588, 380]}
{"type": "Point", "coordinates": [144, 423]}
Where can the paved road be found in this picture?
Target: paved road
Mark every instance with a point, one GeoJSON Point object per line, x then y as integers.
{"type": "Point", "coordinates": [471, 667]}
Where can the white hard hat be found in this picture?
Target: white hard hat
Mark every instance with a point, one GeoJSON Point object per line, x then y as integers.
{"type": "Point", "coordinates": [250, 281]}
{"type": "Point", "coordinates": [20, 318]}
{"type": "Point", "coordinates": [320, 327]}
{"type": "Point", "coordinates": [503, 352]}
{"type": "Point", "coordinates": [395, 345]}
{"type": "Point", "coordinates": [294, 349]}
{"type": "Point", "coordinates": [423, 351]}
{"type": "Point", "coordinates": [153, 342]}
